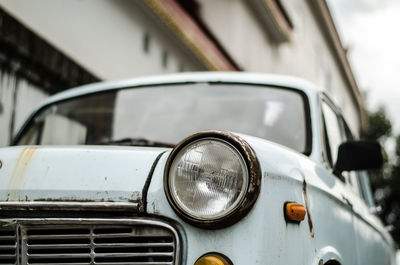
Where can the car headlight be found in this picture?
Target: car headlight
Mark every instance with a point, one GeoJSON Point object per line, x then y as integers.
{"type": "Point", "coordinates": [212, 178]}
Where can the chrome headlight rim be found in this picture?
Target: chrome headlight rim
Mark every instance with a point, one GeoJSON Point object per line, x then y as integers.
{"type": "Point", "coordinates": [253, 185]}
{"type": "Point", "coordinates": [234, 205]}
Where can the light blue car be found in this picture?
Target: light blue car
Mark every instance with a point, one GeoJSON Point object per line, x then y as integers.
{"type": "Point", "coordinates": [195, 168]}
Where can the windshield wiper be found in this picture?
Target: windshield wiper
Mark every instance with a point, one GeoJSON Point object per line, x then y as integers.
{"type": "Point", "coordinates": [136, 142]}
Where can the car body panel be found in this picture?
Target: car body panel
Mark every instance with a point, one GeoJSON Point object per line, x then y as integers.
{"type": "Point", "coordinates": [75, 173]}
{"type": "Point", "coordinates": [263, 233]}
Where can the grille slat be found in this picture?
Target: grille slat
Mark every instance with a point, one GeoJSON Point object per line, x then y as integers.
{"type": "Point", "coordinates": [128, 255]}
{"type": "Point", "coordinates": [57, 246]}
{"type": "Point", "coordinates": [5, 238]}
{"type": "Point", "coordinates": [133, 263]}
{"type": "Point", "coordinates": [126, 235]}
{"type": "Point", "coordinates": [43, 263]}
{"type": "Point", "coordinates": [58, 256]}
{"type": "Point", "coordinates": [117, 245]}
{"type": "Point", "coordinates": [11, 246]}
{"type": "Point", "coordinates": [58, 236]}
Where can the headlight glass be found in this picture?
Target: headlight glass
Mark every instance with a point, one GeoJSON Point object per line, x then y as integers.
{"type": "Point", "coordinates": [208, 179]}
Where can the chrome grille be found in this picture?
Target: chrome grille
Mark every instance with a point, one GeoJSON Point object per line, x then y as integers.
{"type": "Point", "coordinates": [141, 241]}
{"type": "Point", "coordinates": [8, 246]}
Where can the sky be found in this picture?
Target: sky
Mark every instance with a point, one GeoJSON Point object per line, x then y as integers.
{"type": "Point", "coordinates": [370, 30]}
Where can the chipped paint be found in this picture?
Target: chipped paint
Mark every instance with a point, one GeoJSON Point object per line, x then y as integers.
{"type": "Point", "coordinates": [17, 177]}
{"type": "Point", "coordinates": [154, 207]}
{"type": "Point", "coordinates": [310, 224]}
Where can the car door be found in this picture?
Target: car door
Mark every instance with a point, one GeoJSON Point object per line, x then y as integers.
{"type": "Point", "coordinates": [333, 135]}
{"type": "Point", "coordinates": [371, 242]}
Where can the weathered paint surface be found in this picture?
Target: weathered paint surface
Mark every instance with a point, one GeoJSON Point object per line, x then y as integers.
{"type": "Point", "coordinates": [309, 220]}
{"type": "Point", "coordinates": [264, 235]}
{"type": "Point", "coordinates": [16, 179]}
{"type": "Point", "coordinates": [109, 174]}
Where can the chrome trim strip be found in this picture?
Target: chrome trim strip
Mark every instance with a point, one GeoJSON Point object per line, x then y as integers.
{"type": "Point", "coordinates": [70, 206]}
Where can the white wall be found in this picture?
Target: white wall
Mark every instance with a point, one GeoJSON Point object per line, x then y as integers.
{"type": "Point", "coordinates": [27, 98]}
{"type": "Point", "coordinates": [103, 36]}
{"type": "Point", "coordinates": [307, 55]}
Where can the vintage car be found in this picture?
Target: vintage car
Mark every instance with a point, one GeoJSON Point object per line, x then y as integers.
{"type": "Point", "coordinates": [195, 168]}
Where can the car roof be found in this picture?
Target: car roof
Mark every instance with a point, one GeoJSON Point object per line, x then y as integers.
{"type": "Point", "coordinates": [187, 77]}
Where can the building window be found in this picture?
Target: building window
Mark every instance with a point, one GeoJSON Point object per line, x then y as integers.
{"type": "Point", "coordinates": [275, 18]}
{"type": "Point", "coordinates": [284, 14]}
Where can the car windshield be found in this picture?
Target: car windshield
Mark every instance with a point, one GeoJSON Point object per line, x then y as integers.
{"type": "Point", "coordinates": [167, 114]}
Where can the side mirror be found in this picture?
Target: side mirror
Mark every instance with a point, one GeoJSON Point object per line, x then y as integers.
{"type": "Point", "coordinates": [358, 155]}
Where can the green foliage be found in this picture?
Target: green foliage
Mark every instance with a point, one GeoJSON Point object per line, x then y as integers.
{"type": "Point", "coordinates": [398, 147]}
{"type": "Point", "coordinates": [385, 182]}
{"type": "Point", "coordinates": [379, 125]}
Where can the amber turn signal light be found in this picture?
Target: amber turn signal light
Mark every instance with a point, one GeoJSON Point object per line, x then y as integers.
{"type": "Point", "coordinates": [295, 212]}
{"type": "Point", "coordinates": [213, 259]}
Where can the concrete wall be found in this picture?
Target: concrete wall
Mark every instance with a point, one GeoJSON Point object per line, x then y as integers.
{"type": "Point", "coordinates": [18, 99]}
{"type": "Point", "coordinates": [307, 55]}
{"type": "Point", "coordinates": [104, 36]}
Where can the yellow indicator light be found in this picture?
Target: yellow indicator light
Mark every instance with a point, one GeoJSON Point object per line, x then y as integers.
{"type": "Point", "coordinates": [212, 259]}
{"type": "Point", "coordinates": [295, 212]}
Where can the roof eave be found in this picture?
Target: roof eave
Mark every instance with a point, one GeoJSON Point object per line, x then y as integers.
{"type": "Point", "coordinates": [322, 13]}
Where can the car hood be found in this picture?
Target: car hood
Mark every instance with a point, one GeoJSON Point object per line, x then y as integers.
{"type": "Point", "coordinates": [75, 174]}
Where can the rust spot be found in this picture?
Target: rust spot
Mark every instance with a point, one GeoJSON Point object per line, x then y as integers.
{"type": "Point", "coordinates": [321, 262]}
{"type": "Point", "coordinates": [16, 180]}
{"type": "Point", "coordinates": [62, 199]}
{"type": "Point", "coordinates": [310, 224]}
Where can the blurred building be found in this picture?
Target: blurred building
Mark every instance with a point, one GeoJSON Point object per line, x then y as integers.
{"type": "Point", "coordinates": [47, 46]}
